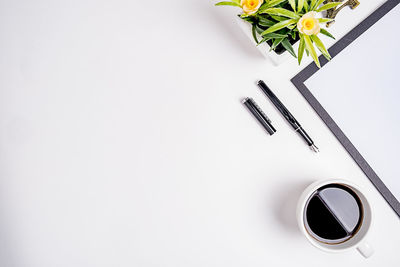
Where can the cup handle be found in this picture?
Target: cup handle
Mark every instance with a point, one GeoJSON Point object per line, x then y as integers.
{"type": "Point", "coordinates": [365, 249]}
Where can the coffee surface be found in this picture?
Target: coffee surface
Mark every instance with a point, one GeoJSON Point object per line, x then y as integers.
{"type": "Point", "coordinates": [333, 214]}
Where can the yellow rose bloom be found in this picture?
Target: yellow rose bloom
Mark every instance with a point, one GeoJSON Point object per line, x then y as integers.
{"type": "Point", "coordinates": [250, 6]}
{"type": "Point", "coordinates": [308, 24]}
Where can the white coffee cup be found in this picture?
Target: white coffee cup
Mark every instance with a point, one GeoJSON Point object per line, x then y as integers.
{"type": "Point", "coordinates": [358, 239]}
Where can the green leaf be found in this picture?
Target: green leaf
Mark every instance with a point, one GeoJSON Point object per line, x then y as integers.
{"type": "Point", "coordinates": [300, 5]}
{"type": "Point", "coordinates": [293, 34]}
{"type": "Point", "coordinates": [321, 47]}
{"type": "Point", "coordinates": [323, 20]}
{"type": "Point", "coordinates": [325, 32]}
{"type": "Point", "coordinates": [293, 4]}
{"type": "Point", "coordinates": [273, 3]}
{"type": "Point", "coordinates": [265, 25]}
{"type": "Point", "coordinates": [254, 33]}
{"type": "Point", "coordinates": [276, 42]}
{"type": "Point", "coordinates": [301, 49]}
{"type": "Point", "coordinates": [275, 35]}
{"type": "Point", "coordinates": [226, 3]}
{"type": "Point", "coordinates": [288, 46]}
{"type": "Point", "coordinates": [312, 4]}
{"type": "Point", "coordinates": [264, 6]}
{"type": "Point", "coordinates": [248, 19]}
{"type": "Point", "coordinates": [281, 12]}
{"type": "Point", "coordinates": [306, 7]}
{"type": "Point", "coordinates": [316, 4]}
{"type": "Point", "coordinates": [279, 25]}
{"type": "Point", "coordinates": [264, 40]}
{"type": "Point", "coordinates": [278, 18]}
{"type": "Point", "coordinates": [236, 1]}
{"type": "Point", "coordinates": [284, 31]}
{"type": "Point", "coordinates": [259, 30]}
{"type": "Point", "coordinates": [328, 6]}
{"type": "Point", "coordinates": [311, 49]}
{"type": "Point", "coordinates": [265, 22]}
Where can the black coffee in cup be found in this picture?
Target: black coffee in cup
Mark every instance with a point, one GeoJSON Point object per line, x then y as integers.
{"type": "Point", "coordinates": [333, 214]}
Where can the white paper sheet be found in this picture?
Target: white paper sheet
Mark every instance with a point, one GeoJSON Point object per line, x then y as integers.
{"type": "Point", "coordinates": [360, 89]}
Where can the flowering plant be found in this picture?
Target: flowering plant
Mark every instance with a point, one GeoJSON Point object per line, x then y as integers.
{"type": "Point", "coordinates": [281, 23]}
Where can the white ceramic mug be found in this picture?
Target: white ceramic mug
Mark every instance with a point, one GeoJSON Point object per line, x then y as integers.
{"type": "Point", "coordinates": [358, 239]}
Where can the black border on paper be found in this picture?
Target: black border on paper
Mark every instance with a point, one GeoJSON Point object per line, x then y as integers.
{"type": "Point", "coordinates": [307, 72]}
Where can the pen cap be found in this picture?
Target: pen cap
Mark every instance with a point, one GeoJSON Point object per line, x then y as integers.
{"type": "Point", "coordinates": [259, 115]}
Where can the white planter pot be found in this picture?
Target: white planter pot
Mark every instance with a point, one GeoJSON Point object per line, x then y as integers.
{"type": "Point", "coordinates": [264, 47]}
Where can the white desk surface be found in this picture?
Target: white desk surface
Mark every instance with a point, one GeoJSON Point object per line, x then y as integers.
{"type": "Point", "coordinates": [123, 141]}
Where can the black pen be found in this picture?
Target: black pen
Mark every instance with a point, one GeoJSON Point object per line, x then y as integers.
{"type": "Point", "coordinates": [288, 116]}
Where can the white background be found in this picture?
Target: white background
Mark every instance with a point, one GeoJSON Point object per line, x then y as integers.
{"type": "Point", "coordinates": [123, 141]}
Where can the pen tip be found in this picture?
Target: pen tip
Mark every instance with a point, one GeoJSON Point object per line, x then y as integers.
{"type": "Point", "coordinates": [314, 148]}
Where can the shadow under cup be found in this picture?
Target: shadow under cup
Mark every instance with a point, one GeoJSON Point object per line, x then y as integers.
{"type": "Point", "coordinates": [336, 216]}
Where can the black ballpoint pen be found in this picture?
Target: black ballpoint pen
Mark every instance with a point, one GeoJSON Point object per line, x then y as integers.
{"type": "Point", "coordinates": [288, 116]}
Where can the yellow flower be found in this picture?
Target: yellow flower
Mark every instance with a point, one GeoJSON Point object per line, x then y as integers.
{"type": "Point", "coordinates": [308, 24]}
{"type": "Point", "coordinates": [251, 6]}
